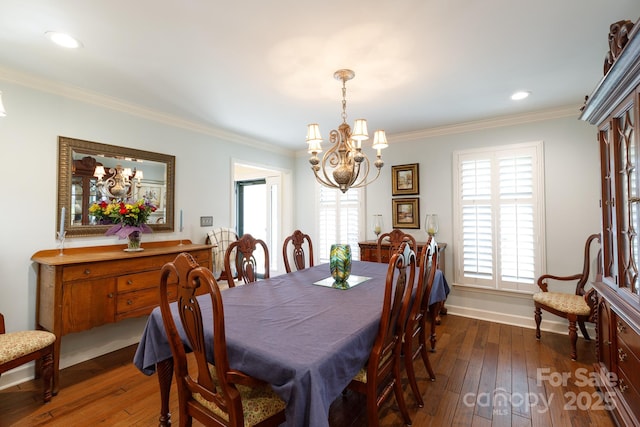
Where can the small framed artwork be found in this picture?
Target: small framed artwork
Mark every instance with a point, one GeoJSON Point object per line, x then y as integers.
{"type": "Point", "coordinates": [405, 179]}
{"type": "Point", "coordinates": [406, 212]}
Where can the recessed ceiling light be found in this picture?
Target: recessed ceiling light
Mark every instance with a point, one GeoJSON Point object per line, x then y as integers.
{"type": "Point", "coordinates": [520, 95]}
{"type": "Point", "coordinates": [64, 40]}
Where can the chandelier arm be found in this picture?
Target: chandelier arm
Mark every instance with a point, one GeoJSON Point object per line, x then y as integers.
{"type": "Point", "coordinates": [323, 182]}
{"type": "Point", "coordinates": [364, 184]}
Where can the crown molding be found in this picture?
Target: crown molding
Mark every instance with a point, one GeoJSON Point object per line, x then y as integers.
{"type": "Point", "coordinates": [101, 100]}
{"type": "Point", "coordinates": [497, 122]}
{"type": "Point", "coordinates": [83, 95]}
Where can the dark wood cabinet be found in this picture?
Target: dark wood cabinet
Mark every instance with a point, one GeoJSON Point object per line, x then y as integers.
{"type": "Point", "coordinates": [94, 286]}
{"type": "Point", "coordinates": [614, 107]}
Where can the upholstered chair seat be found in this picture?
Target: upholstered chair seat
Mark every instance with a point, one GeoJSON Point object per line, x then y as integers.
{"type": "Point", "coordinates": [258, 403]}
{"type": "Point", "coordinates": [18, 348]}
{"type": "Point", "coordinates": [566, 303]}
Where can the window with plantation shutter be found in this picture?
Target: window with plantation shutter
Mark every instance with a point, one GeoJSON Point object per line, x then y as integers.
{"type": "Point", "coordinates": [340, 218]}
{"type": "Point", "coordinates": [499, 217]}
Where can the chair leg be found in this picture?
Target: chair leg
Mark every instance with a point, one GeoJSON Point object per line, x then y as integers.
{"type": "Point", "coordinates": [583, 329]}
{"type": "Point", "coordinates": [433, 313]}
{"type": "Point", "coordinates": [397, 388]}
{"type": "Point", "coordinates": [411, 373]}
{"type": "Point", "coordinates": [372, 406]}
{"type": "Point", "coordinates": [573, 337]}
{"type": "Point", "coordinates": [538, 317]}
{"type": "Point", "coordinates": [47, 375]}
{"type": "Point", "coordinates": [427, 363]}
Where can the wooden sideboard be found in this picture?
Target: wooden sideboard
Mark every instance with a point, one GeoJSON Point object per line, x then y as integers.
{"type": "Point", "coordinates": [93, 286]}
{"type": "Point", "coordinates": [369, 252]}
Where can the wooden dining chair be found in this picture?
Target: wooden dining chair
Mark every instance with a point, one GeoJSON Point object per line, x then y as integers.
{"type": "Point", "coordinates": [415, 333]}
{"type": "Point", "coordinates": [242, 253]}
{"type": "Point", "coordinates": [221, 238]}
{"type": "Point", "coordinates": [577, 307]}
{"type": "Point", "coordinates": [395, 238]}
{"type": "Point", "coordinates": [212, 394]}
{"type": "Point", "coordinates": [18, 348]}
{"type": "Point", "coordinates": [294, 247]}
{"type": "Point", "coordinates": [381, 374]}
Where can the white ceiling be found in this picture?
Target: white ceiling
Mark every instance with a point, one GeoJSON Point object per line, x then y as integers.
{"type": "Point", "coordinates": [264, 69]}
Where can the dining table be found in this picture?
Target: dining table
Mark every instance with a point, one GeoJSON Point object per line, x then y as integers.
{"type": "Point", "coordinates": [297, 331]}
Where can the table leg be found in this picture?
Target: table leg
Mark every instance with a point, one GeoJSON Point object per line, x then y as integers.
{"type": "Point", "coordinates": [165, 373]}
{"type": "Point", "coordinates": [434, 312]}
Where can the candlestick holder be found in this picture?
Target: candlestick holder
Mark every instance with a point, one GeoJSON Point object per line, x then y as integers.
{"type": "Point", "coordinates": [431, 224]}
{"type": "Point", "coordinates": [60, 236]}
{"type": "Point", "coordinates": [180, 232]}
{"type": "Point", "coordinates": [377, 224]}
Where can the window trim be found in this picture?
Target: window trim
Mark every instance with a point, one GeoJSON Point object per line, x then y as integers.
{"type": "Point", "coordinates": [495, 284]}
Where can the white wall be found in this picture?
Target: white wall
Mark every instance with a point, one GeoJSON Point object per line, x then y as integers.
{"type": "Point", "coordinates": [29, 141]}
{"type": "Point", "coordinates": [572, 200]}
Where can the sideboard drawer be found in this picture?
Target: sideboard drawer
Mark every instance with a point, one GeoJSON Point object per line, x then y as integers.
{"type": "Point", "coordinates": [628, 390]}
{"type": "Point", "coordinates": [90, 271]}
{"type": "Point", "coordinates": [147, 279]}
{"type": "Point", "coordinates": [627, 334]}
{"type": "Point", "coordinates": [132, 301]}
{"type": "Point", "coordinates": [628, 363]}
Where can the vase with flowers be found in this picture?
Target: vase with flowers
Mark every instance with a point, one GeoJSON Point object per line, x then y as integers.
{"type": "Point", "coordinates": [129, 219]}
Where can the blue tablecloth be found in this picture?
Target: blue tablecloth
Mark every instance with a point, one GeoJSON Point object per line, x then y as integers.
{"type": "Point", "coordinates": [307, 341]}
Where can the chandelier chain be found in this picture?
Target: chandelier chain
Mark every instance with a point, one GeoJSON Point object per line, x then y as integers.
{"type": "Point", "coordinates": [344, 101]}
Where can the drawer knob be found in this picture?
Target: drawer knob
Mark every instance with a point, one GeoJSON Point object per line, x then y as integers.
{"type": "Point", "coordinates": [622, 386]}
{"type": "Point", "coordinates": [129, 282]}
{"type": "Point", "coordinates": [622, 356]}
{"type": "Point", "coordinates": [129, 302]}
{"type": "Point", "coordinates": [620, 327]}
{"type": "Point", "coordinates": [87, 271]}
{"type": "Point", "coordinates": [110, 294]}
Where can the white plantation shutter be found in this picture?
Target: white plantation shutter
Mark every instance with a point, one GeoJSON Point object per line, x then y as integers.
{"type": "Point", "coordinates": [499, 217]}
{"type": "Point", "coordinates": [477, 219]}
{"type": "Point", "coordinates": [339, 220]}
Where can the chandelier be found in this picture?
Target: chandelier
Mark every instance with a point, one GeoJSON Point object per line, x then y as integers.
{"type": "Point", "coordinates": [119, 185]}
{"type": "Point", "coordinates": [344, 165]}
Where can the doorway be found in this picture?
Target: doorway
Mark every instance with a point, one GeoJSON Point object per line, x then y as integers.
{"type": "Point", "coordinates": [261, 208]}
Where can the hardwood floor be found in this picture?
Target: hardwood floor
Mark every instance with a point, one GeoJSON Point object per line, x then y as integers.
{"type": "Point", "coordinates": [487, 375]}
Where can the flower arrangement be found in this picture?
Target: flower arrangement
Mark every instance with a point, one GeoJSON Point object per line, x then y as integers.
{"type": "Point", "coordinates": [127, 216]}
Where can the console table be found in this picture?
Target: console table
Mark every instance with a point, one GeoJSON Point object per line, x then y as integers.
{"type": "Point", "coordinates": [92, 286]}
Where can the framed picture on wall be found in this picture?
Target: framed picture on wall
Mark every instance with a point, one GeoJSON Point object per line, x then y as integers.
{"type": "Point", "coordinates": [405, 179]}
{"type": "Point", "coordinates": [406, 212]}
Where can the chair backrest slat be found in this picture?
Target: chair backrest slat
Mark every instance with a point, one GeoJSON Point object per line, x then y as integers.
{"type": "Point", "coordinates": [245, 259]}
{"type": "Point", "coordinates": [395, 238]}
{"type": "Point", "coordinates": [297, 241]}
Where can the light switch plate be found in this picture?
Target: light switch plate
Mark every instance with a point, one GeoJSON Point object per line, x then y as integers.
{"type": "Point", "coordinates": [206, 221]}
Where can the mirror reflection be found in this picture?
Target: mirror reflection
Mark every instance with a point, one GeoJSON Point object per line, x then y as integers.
{"type": "Point", "coordinates": [90, 172]}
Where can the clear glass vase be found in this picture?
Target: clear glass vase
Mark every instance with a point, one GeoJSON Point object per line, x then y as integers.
{"type": "Point", "coordinates": [134, 241]}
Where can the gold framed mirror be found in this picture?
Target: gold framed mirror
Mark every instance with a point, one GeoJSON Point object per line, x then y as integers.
{"type": "Point", "coordinates": [78, 187]}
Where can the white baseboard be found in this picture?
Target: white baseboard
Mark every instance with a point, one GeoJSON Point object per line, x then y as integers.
{"type": "Point", "coordinates": [557, 325]}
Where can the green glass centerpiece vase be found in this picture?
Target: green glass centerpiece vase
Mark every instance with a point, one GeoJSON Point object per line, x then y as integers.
{"type": "Point", "coordinates": [340, 264]}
